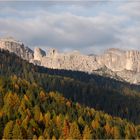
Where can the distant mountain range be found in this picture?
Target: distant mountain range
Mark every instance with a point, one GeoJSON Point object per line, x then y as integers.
{"type": "Point", "coordinates": [114, 63]}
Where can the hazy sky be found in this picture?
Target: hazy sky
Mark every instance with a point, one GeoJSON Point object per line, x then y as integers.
{"type": "Point", "coordinates": [87, 26]}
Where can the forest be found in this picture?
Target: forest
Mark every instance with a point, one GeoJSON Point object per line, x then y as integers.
{"type": "Point", "coordinates": [118, 99]}
{"type": "Point", "coordinates": [27, 111]}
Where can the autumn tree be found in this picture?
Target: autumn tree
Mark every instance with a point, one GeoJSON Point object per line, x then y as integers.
{"type": "Point", "coordinates": [17, 134]}
{"type": "Point", "coordinates": [107, 128]}
{"type": "Point", "coordinates": [47, 118]}
{"type": "Point", "coordinates": [74, 131]}
{"type": "Point", "coordinates": [37, 113]}
{"type": "Point", "coordinates": [87, 134]}
{"type": "Point", "coordinates": [30, 133]}
{"type": "Point", "coordinates": [7, 134]}
{"type": "Point", "coordinates": [116, 132]}
{"type": "Point", "coordinates": [65, 130]}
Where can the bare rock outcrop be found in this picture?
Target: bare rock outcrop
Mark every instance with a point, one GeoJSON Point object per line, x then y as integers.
{"type": "Point", "coordinates": [133, 60]}
{"type": "Point", "coordinates": [118, 60]}
{"type": "Point", "coordinates": [70, 61]}
{"type": "Point", "coordinates": [38, 54]}
{"type": "Point", "coordinates": [16, 47]}
{"type": "Point", "coordinates": [114, 63]}
{"type": "Point", "coordinates": [112, 59]}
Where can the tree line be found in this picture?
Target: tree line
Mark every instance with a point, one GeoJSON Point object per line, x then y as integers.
{"type": "Point", "coordinates": [28, 112]}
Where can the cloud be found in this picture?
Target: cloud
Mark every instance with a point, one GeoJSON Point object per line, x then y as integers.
{"type": "Point", "coordinates": [131, 8]}
{"type": "Point", "coordinates": [63, 30]}
{"type": "Point", "coordinates": [66, 30]}
{"type": "Point", "coordinates": [130, 38]}
{"type": "Point", "coordinates": [130, 34]}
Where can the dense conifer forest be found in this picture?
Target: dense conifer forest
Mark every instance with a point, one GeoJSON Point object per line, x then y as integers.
{"type": "Point", "coordinates": [27, 111]}
{"type": "Point", "coordinates": [116, 98]}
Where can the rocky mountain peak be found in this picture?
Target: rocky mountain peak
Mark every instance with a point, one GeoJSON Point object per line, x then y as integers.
{"type": "Point", "coordinates": [38, 54]}
{"type": "Point", "coordinates": [16, 47]}
{"type": "Point", "coordinates": [114, 63]}
{"type": "Point", "coordinates": [51, 52]}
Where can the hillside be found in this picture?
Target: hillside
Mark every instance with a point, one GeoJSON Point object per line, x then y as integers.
{"type": "Point", "coordinates": [116, 98]}
{"type": "Point", "coordinates": [27, 111]}
{"type": "Point", "coordinates": [122, 65]}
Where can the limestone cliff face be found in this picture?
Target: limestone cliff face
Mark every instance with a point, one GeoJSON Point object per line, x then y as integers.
{"type": "Point", "coordinates": [113, 59]}
{"type": "Point", "coordinates": [133, 60]}
{"type": "Point", "coordinates": [70, 61]}
{"type": "Point", "coordinates": [16, 47]}
{"type": "Point", "coordinates": [38, 54]}
{"type": "Point", "coordinates": [114, 63]}
{"type": "Point", "coordinates": [118, 60]}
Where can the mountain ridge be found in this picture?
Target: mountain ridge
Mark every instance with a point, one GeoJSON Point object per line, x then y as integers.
{"type": "Point", "coordinates": [12, 45]}
{"type": "Point", "coordinates": [115, 63]}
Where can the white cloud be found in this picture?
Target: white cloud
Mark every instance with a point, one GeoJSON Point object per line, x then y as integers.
{"type": "Point", "coordinates": [63, 30]}
{"type": "Point", "coordinates": [68, 31]}
{"type": "Point", "coordinates": [132, 8]}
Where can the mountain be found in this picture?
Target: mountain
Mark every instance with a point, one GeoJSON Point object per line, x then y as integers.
{"type": "Point", "coordinates": [103, 93]}
{"type": "Point", "coordinates": [17, 47]}
{"type": "Point", "coordinates": [114, 63]}
{"type": "Point", "coordinates": [28, 112]}
{"type": "Point", "coordinates": [98, 89]}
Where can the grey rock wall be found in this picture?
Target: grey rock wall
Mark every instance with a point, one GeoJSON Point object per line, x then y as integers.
{"type": "Point", "coordinates": [114, 63]}
{"type": "Point", "coordinates": [16, 47]}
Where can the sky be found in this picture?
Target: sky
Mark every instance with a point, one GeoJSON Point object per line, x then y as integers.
{"type": "Point", "coordinates": [89, 26]}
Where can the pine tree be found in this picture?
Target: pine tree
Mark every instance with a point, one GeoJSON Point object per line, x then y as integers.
{"type": "Point", "coordinates": [81, 121]}
{"type": "Point", "coordinates": [34, 137]}
{"type": "Point", "coordinates": [7, 134]}
{"type": "Point", "coordinates": [42, 96]}
{"type": "Point", "coordinates": [41, 138]}
{"type": "Point", "coordinates": [47, 118]}
{"type": "Point", "coordinates": [95, 124]}
{"type": "Point", "coordinates": [116, 132]}
{"type": "Point", "coordinates": [11, 104]}
{"type": "Point", "coordinates": [46, 134]}
{"type": "Point", "coordinates": [59, 121]}
{"type": "Point", "coordinates": [65, 130]}
{"type": "Point", "coordinates": [74, 131]}
{"type": "Point", "coordinates": [107, 128]}
{"type": "Point", "coordinates": [30, 133]}
{"type": "Point", "coordinates": [130, 132]}
{"type": "Point", "coordinates": [53, 138]}
{"type": "Point", "coordinates": [87, 133]}
{"type": "Point", "coordinates": [25, 123]}
{"type": "Point", "coordinates": [17, 134]}
{"type": "Point", "coordinates": [36, 113]}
